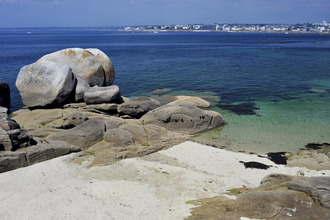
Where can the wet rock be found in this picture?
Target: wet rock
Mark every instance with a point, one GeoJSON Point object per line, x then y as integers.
{"type": "Point", "coordinates": [138, 106]}
{"type": "Point", "coordinates": [256, 165]}
{"type": "Point", "coordinates": [97, 95]}
{"type": "Point", "coordinates": [82, 136]}
{"type": "Point", "coordinates": [4, 95]}
{"type": "Point", "coordinates": [246, 108]}
{"type": "Point", "coordinates": [183, 118]}
{"type": "Point", "coordinates": [54, 83]}
{"type": "Point", "coordinates": [278, 157]}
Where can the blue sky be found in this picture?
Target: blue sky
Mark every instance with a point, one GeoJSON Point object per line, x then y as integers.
{"type": "Point", "coordinates": [97, 13]}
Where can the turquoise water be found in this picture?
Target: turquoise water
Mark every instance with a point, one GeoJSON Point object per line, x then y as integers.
{"type": "Point", "coordinates": [272, 89]}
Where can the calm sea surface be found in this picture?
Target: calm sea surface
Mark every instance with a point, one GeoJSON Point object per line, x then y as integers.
{"type": "Point", "coordinates": [272, 89]}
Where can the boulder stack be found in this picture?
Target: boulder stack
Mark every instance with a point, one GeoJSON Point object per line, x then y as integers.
{"type": "Point", "coordinates": [63, 76]}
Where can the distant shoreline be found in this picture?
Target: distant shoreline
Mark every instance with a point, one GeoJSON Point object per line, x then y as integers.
{"type": "Point", "coordinates": [221, 31]}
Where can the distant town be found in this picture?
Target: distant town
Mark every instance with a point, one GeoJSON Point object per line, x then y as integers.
{"type": "Point", "coordinates": [322, 27]}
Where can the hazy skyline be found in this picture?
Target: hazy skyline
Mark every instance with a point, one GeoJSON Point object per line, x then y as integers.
{"type": "Point", "coordinates": [98, 13]}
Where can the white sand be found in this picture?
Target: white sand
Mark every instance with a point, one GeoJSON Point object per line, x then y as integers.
{"type": "Point", "coordinates": [153, 187]}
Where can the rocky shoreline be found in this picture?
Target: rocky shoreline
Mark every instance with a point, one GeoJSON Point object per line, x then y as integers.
{"type": "Point", "coordinates": [72, 106]}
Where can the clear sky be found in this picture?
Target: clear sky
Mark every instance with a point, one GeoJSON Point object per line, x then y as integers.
{"type": "Point", "coordinates": [98, 13]}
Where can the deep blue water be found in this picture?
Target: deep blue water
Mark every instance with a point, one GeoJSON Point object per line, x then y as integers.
{"type": "Point", "coordinates": [248, 71]}
{"type": "Point", "coordinates": [236, 66]}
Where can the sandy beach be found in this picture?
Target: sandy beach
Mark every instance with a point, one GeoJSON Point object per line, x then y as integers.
{"type": "Point", "coordinates": [156, 186]}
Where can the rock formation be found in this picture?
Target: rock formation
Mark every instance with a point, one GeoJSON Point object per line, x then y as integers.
{"type": "Point", "coordinates": [45, 83]}
{"type": "Point", "coordinates": [183, 118]}
{"type": "Point", "coordinates": [64, 75]}
{"type": "Point", "coordinates": [4, 95]}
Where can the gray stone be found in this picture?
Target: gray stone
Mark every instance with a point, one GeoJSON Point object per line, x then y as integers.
{"type": "Point", "coordinates": [12, 160]}
{"type": "Point", "coordinates": [4, 95]}
{"type": "Point", "coordinates": [109, 71]}
{"type": "Point", "coordinates": [190, 100]}
{"type": "Point", "coordinates": [5, 142]}
{"type": "Point", "coordinates": [20, 138]}
{"type": "Point", "coordinates": [183, 118]}
{"type": "Point", "coordinates": [83, 63]}
{"type": "Point", "coordinates": [8, 124]}
{"type": "Point", "coordinates": [82, 136]}
{"type": "Point", "coordinates": [82, 86]}
{"type": "Point", "coordinates": [98, 95]}
{"type": "Point", "coordinates": [72, 120]}
{"type": "Point", "coordinates": [3, 112]}
{"type": "Point", "coordinates": [47, 151]}
{"type": "Point", "coordinates": [136, 107]}
{"type": "Point", "coordinates": [45, 83]}
{"type": "Point", "coordinates": [118, 137]}
{"type": "Point", "coordinates": [138, 132]}
{"type": "Point", "coordinates": [113, 122]}
{"type": "Point", "coordinates": [318, 187]}
{"type": "Point", "coordinates": [105, 107]}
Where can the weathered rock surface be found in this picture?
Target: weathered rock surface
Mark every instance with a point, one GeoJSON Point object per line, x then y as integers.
{"type": "Point", "coordinates": [190, 100]}
{"type": "Point", "coordinates": [109, 71]}
{"type": "Point", "coordinates": [3, 112]}
{"type": "Point", "coordinates": [70, 120]}
{"type": "Point", "coordinates": [138, 106]}
{"type": "Point", "coordinates": [35, 154]}
{"type": "Point", "coordinates": [118, 137]}
{"type": "Point", "coordinates": [311, 159]}
{"type": "Point", "coordinates": [12, 137]}
{"type": "Point", "coordinates": [183, 118]}
{"type": "Point", "coordinates": [82, 136]}
{"type": "Point", "coordinates": [12, 160]}
{"type": "Point", "coordinates": [5, 142]}
{"type": "Point", "coordinates": [4, 95]}
{"type": "Point", "coordinates": [83, 63]}
{"type": "Point", "coordinates": [45, 83]}
{"type": "Point", "coordinates": [82, 86]}
{"type": "Point", "coordinates": [97, 95]}
{"type": "Point", "coordinates": [278, 197]}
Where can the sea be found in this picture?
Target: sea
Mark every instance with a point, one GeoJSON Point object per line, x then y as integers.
{"type": "Point", "coordinates": [273, 89]}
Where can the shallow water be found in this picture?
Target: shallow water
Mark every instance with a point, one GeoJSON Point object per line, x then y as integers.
{"type": "Point", "coordinates": [272, 89]}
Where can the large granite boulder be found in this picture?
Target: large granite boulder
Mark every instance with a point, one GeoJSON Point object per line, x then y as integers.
{"type": "Point", "coordinates": [45, 83]}
{"type": "Point", "coordinates": [109, 71]}
{"type": "Point", "coordinates": [183, 118]}
{"type": "Point", "coordinates": [138, 106]}
{"type": "Point", "coordinates": [82, 136]}
{"type": "Point", "coordinates": [4, 95]}
{"type": "Point", "coordinates": [85, 65]}
{"type": "Point", "coordinates": [97, 95]}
